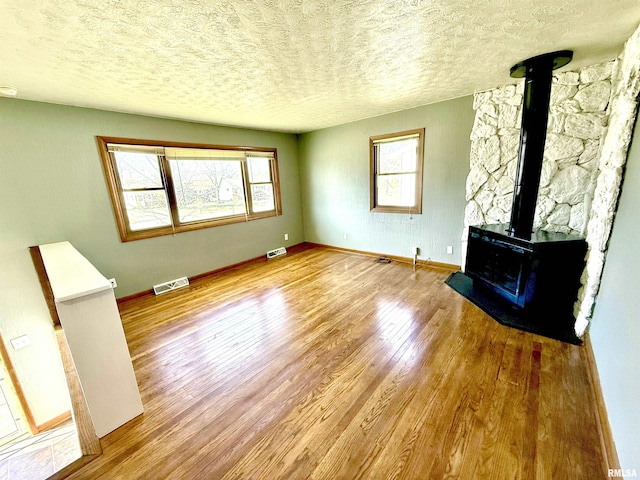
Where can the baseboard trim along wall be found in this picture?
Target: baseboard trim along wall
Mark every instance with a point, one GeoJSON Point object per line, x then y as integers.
{"type": "Point", "coordinates": [297, 248]}
{"type": "Point", "coordinates": [63, 417]}
{"type": "Point", "coordinates": [424, 263]}
{"type": "Point", "coordinates": [262, 258]}
{"type": "Point", "coordinates": [604, 428]}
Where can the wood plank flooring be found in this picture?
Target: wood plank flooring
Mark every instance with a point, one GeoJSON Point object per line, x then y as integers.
{"type": "Point", "coordinates": [327, 365]}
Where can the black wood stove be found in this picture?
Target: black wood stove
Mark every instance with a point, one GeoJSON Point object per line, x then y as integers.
{"type": "Point", "coordinates": [525, 278]}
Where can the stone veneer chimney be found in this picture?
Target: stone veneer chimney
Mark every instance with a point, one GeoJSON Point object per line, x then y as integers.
{"type": "Point", "coordinates": [591, 118]}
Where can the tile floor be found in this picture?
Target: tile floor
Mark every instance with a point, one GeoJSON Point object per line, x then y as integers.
{"type": "Point", "coordinates": [37, 457]}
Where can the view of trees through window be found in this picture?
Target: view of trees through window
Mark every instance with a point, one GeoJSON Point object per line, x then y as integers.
{"type": "Point", "coordinates": [143, 190]}
{"type": "Point", "coordinates": [208, 188]}
{"type": "Point", "coordinates": [159, 190]}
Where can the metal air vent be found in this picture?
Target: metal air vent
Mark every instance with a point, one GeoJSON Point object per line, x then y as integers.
{"type": "Point", "coordinates": [170, 285]}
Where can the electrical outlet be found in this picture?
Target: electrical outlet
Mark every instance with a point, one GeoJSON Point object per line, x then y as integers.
{"type": "Point", "coordinates": [449, 250]}
{"type": "Point", "coordinates": [416, 250]}
{"type": "Point", "coordinates": [113, 283]}
{"type": "Point", "coordinates": [345, 236]}
{"type": "Point", "coordinates": [20, 342]}
{"type": "Point", "coordinates": [286, 236]}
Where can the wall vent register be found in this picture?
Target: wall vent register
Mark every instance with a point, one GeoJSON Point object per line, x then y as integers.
{"type": "Point", "coordinates": [170, 285]}
{"type": "Point", "coordinates": [277, 252]}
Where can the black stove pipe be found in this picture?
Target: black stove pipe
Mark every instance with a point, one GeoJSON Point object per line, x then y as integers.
{"type": "Point", "coordinates": [533, 134]}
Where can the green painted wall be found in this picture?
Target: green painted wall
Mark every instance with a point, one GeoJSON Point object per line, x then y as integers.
{"type": "Point", "coordinates": [615, 327]}
{"type": "Point", "coordinates": [52, 188]}
{"type": "Point", "coordinates": [334, 174]}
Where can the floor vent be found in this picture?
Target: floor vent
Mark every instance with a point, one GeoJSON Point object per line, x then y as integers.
{"type": "Point", "coordinates": [170, 285]}
{"type": "Point", "coordinates": [277, 252]}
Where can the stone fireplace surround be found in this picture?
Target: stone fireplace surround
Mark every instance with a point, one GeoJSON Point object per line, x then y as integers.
{"type": "Point", "coordinates": [591, 119]}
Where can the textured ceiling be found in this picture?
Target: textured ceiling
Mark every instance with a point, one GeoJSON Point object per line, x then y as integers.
{"type": "Point", "coordinates": [289, 65]}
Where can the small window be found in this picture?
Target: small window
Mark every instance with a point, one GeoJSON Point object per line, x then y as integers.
{"type": "Point", "coordinates": [260, 184]}
{"type": "Point", "coordinates": [396, 172]}
{"type": "Point", "coordinates": [164, 189]}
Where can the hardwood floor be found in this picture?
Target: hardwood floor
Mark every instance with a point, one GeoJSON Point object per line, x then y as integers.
{"type": "Point", "coordinates": [327, 365]}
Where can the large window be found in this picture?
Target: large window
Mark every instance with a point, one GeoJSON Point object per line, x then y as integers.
{"type": "Point", "coordinates": [160, 189]}
{"type": "Point", "coordinates": [396, 172]}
